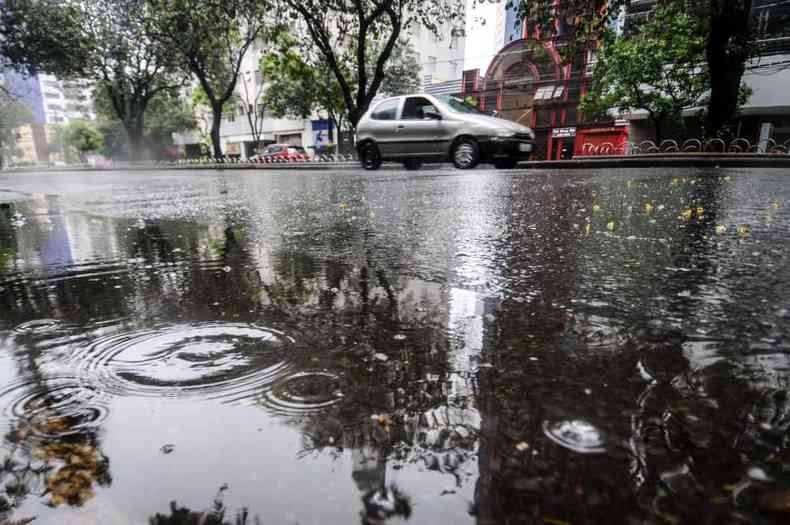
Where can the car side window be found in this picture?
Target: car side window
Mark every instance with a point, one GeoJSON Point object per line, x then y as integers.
{"type": "Point", "coordinates": [415, 108]}
{"type": "Point", "coordinates": [387, 110]}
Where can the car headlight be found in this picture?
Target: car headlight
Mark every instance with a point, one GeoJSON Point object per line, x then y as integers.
{"type": "Point", "coordinates": [504, 133]}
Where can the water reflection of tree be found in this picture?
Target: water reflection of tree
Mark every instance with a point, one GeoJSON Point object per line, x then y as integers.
{"type": "Point", "coordinates": [47, 456]}
{"type": "Point", "coordinates": [214, 516]}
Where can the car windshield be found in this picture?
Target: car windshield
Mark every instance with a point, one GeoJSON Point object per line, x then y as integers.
{"type": "Point", "coordinates": [458, 105]}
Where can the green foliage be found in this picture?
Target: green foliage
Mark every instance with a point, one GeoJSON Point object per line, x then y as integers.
{"type": "Point", "coordinates": [299, 85]}
{"type": "Point", "coordinates": [82, 136]}
{"type": "Point", "coordinates": [165, 114]}
{"type": "Point", "coordinates": [211, 38]}
{"type": "Point", "coordinates": [44, 35]}
{"type": "Point", "coordinates": [12, 115]}
{"type": "Point", "coordinates": [659, 68]}
{"type": "Point", "coordinates": [356, 39]}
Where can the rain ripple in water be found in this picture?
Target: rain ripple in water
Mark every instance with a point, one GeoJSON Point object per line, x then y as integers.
{"type": "Point", "coordinates": [224, 361]}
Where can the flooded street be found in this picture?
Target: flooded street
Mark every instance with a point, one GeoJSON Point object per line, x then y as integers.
{"type": "Point", "coordinates": [235, 348]}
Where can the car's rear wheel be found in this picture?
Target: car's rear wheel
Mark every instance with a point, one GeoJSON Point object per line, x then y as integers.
{"type": "Point", "coordinates": [466, 154]}
{"type": "Point", "coordinates": [505, 164]}
{"type": "Point", "coordinates": [412, 164]}
{"type": "Point", "coordinates": [369, 156]}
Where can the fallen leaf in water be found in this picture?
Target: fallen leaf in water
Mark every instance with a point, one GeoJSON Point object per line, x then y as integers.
{"type": "Point", "coordinates": [721, 229]}
{"type": "Point", "coordinates": [596, 208]}
{"type": "Point", "coordinates": [648, 208]}
{"type": "Point", "coordinates": [743, 230]}
{"type": "Point", "coordinates": [610, 225]}
{"type": "Point", "coordinates": [587, 228]}
{"type": "Point", "coordinates": [775, 205]}
{"type": "Point", "coordinates": [686, 214]}
{"type": "Point", "coordinates": [522, 446]}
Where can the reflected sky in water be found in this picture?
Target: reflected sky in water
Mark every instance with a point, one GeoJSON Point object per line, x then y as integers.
{"type": "Point", "coordinates": [442, 347]}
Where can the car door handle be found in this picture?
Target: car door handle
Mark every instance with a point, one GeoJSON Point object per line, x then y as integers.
{"type": "Point", "coordinates": [401, 126]}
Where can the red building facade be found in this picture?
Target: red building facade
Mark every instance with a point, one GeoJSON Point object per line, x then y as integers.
{"type": "Point", "coordinates": [529, 82]}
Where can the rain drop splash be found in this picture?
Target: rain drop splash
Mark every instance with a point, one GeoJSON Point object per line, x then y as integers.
{"type": "Point", "coordinates": [304, 392]}
{"type": "Point", "coordinates": [212, 360]}
{"type": "Point", "coordinates": [55, 406]}
{"type": "Point", "coordinates": [577, 435]}
{"type": "Point", "coordinates": [37, 326]}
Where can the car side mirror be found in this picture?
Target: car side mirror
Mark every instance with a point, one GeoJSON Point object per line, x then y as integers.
{"type": "Point", "coordinates": [432, 114]}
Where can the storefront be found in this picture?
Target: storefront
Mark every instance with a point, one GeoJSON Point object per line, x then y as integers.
{"type": "Point", "coordinates": [528, 82]}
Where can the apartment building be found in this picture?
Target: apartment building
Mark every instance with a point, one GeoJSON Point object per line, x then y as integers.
{"type": "Point", "coordinates": [52, 102]}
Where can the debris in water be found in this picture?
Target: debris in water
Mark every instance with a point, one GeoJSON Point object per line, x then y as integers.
{"type": "Point", "coordinates": [522, 446]}
{"type": "Point", "coordinates": [380, 356]}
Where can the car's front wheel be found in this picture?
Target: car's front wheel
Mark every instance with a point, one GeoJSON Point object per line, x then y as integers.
{"type": "Point", "coordinates": [466, 154]}
{"type": "Point", "coordinates": [369, 156]}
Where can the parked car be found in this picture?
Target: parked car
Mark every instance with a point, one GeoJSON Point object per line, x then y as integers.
{"type": "Point", "coordinates": [282, 152]}
{"type": "Point", "coordinates": [417, 128]}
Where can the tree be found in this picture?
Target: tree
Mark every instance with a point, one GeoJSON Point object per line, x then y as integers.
{"type": "Point", "coordinates": [211, 37]}
{"type": "Point", "coordinates": [83, 137]}
{"type": "Point", "coordinates": [251, 97]}
{"type": "Point", "coordinates": [43, 35]}
{"type": "Point", "coordinates": [726, 25]}
{"type": "Point", "coordinates": [342, 33]}
{"type": "Point", "coordinates": [132, 68]}
{"type": "Point", "coordinates": [104, 40]}
{"type": "Point", "coordinates": [659, 68]}
{"type": "Point", "coordinates": [166, 113]}
{"type": "Point", "coordinates": [299, 84]}
{"type": "Point", "coordinates": [12, 115]}
{"type": "Point", "coordinates": [402, 70]}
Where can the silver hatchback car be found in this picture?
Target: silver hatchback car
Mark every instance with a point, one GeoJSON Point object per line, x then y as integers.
{"type": "Point", "coordinates": [417, 128]}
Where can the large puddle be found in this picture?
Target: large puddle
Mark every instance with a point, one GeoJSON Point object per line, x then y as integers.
{"type": "Point", "coordinates": [433, 347]}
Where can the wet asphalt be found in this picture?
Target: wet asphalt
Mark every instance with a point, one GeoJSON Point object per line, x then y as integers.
{"type": "Point", "coordinates": [318, 347]}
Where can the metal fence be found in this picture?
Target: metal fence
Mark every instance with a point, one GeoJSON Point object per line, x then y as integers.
{"type": "Point", "coordinates": [690, 146]}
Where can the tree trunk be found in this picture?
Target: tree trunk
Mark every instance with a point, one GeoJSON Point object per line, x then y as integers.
{"type": "Point", "coordinates": [657, 130]}
{"type": "Point", "coordinates": [136, 143]}
{"type": "Point", "coordinates": [727, 51]}
{"type": "Point", "coordinates": [216, 122]}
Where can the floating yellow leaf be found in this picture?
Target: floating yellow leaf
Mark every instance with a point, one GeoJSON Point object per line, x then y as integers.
{"type": "Point", "coordinates": [343, 206]}
{"type": "Point", "coordinates": [596, 208]}
{"type": "Point", "coordinates": [721, 229]}
{"type": "Point", "coordinates": [775, 205]}
{"type": "Point", "coordinates": [587, 228]}
{"type": "Point", "coordinates": [648, 208]}
{"type": "Point", "coordinates": [686, 214]}
{"type": "Point", "coordinates": [743, 230]}
{"type": "Point", "coordinates": [700, 210]}
{"type": "Point", "coordinates": [610, 225]}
